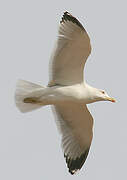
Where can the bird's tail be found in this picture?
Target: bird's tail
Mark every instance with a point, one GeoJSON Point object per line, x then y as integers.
{"type": "Point", "coordinates": [27, 95]}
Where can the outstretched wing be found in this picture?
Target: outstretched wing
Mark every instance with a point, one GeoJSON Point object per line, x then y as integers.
{"type": "Point", "coordinates": [75, 124]}
{"type": "Point", "coordinates": [70, 53]}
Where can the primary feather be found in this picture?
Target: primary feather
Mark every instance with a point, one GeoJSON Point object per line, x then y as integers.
{"type": "Point", "coordinates": [70, 53]}
{"type": "Point", "coordinates": [75, 124]}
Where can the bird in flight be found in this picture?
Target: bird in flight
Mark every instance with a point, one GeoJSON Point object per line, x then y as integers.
{"type": "Point", "coordinates": [67, 92]}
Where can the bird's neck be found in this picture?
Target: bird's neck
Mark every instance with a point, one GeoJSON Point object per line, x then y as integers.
{"type": "Point", "coordinates": [90, 93]}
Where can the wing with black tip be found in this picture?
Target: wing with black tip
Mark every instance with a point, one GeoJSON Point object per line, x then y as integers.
{"type": "Point", "coordinates": [75, 125]}
{"type": "Point", "coordinates": [70, 53]}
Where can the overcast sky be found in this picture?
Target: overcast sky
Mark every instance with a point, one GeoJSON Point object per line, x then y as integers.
{"type": "Point", "coordinates": [29, 143]}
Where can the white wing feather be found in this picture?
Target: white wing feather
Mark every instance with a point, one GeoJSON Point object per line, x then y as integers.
{"type": "Point", "coordinates": [75, 124]}
{"type": "Point", "coordinates": [70, 53]}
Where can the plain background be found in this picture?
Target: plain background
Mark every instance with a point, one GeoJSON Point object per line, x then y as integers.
{"type": "Point", "coordinates": [29, 143]}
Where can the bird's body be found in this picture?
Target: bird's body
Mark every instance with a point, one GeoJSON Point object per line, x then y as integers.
{"type": "Point", "coordinates": [67, 92]}
{"type": "Point", "coordinates": [59, 94]}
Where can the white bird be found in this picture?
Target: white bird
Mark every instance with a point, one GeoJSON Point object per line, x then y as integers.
{"type": "Point", "coordinates": [67, 92]}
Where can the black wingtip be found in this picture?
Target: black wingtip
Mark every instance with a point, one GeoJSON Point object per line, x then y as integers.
{"type": "Point", "coordinates": [68, 17]}
{"type": "Point", "coordinates": [75, 165]}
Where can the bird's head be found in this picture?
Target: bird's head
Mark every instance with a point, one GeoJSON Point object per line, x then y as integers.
{"type": "Point", "coordinates": [103, 96]}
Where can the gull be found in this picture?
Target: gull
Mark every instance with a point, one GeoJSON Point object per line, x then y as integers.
{"type": "Point", "coordinates": [67, 92]}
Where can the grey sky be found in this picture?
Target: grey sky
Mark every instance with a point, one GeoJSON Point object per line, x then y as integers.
{"type": "Point", "coordinates": [29, 143]}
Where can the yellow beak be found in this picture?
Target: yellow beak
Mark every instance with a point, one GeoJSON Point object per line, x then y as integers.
{"type": "Point", "coordinates": [110, 99]}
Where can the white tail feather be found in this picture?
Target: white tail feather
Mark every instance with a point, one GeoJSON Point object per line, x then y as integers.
{"type": "Point", "coordinates": [25, 89]}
